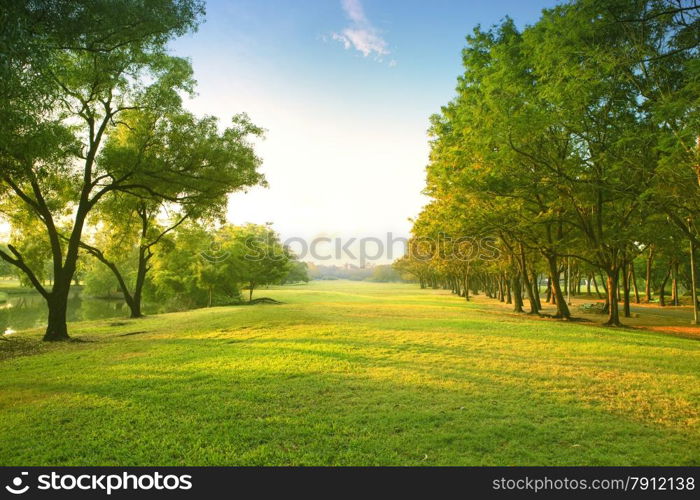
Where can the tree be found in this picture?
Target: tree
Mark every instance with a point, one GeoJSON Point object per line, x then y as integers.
{"type": "Point", "coordinates": [202, 265]}
{"type": "Point", "coordinates": [188, 271]}
{"type": "Point", "coordinates": [298, 273]}
{"type": "Point", "coordinates": [186, 170]}
{"type": "Point", "coordinates": [257, 257]}
{"type": "Point", "coordinates": [71, 71]}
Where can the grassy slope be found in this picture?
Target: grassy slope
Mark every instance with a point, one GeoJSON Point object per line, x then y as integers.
{"type": "Point", "coordinates": [351, 373]}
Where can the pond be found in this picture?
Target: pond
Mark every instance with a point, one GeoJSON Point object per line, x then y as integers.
{"type": "Point", "coordinates": [23, 310]}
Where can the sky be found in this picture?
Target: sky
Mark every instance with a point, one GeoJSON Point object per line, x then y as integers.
{"type": "Point", "coordinates": [344, 89]}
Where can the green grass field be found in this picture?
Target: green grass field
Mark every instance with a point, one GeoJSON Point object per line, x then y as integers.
{"type": "Point", "coordinates": [350, 374]}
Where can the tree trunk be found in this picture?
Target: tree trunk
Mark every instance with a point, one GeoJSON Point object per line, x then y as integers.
{"type": "Point", "coordinates": [662, 288]}
{"type": "Point", "coordinates": [633, 278]}
{"type": "Point", "coordinates": [578, 282]}
{"type": "Point", "coordinates": [606, 306]}
{"type": "Point", "coordinates": [613, 276]}
{"type": "Point", "coordinates": [626, 291]}
{"type": "Point", "coordinates": [133, 301]}
{"type": "Point", "coordinates": [562, 309]}
{"type": "Point", "coordinates": [530, 294]}
{"type": "Point", "coordinates": [528, 285]}
{"type": "Point", "coordinates": [595, 285]}
{"type": "Point", "coordinates": [536, 290]}
{"type": "Point", "coordinates": [135, 306]}
{"type": "Point", "coordinates": [57, 303]}
{"type": "Point", "coordinates": [517, 294]}
{"type": "Point", "coordinates": [674, 285]}
{"type": "Point", "coordinates": [466, 284]}
{"type": "Point", "coordinates": [693, 278]}
{"type": "Point", "coordinates": [647, 285]}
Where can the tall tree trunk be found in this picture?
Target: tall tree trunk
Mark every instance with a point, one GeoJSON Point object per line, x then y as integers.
{"type": "Point", "coordinates": [527, 283]}
{"type": "Point", "coordinates": [674, 285]}
{"type": "Point", "coordinates": [578, 281]}
{"type": "Point", "coordinates": [595, 285]}
{"type": "Point", "coordinates": [606, 306]}
{"type": "Point", "coordinates": [633, 278]}
{"type": "Point", "coordinates": [647, 284]}
{"type": "Point", "coordinates": [536, 290]}
{"type": "Point", "coordinates": [562, 308]}
{"type": "Point", "coordinates": [517, 293]}
{"type": "Point", "coordinates": [693, 278]}
{"type": "Point", "coordinates": [530, 295]}
{"type": "Point", "coordinates": [662, 288]}
{"type": "Point", "coordinates": [626, 291]}
{"type": "Point", "coordinates": [466, 282]}
{"type": "Point", "coordinates": [613, 276]}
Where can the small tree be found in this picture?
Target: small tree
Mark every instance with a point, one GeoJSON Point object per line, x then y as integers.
{"type": "Point", "coordinates": [298, 273]}
{"type": "Point", "coordinates": [186, 169]}
{"type": "Point", "coordinates": [257, 257]}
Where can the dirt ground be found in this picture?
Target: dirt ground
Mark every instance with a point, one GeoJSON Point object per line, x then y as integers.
{"type": "Point", "coordinates": [668, 319]}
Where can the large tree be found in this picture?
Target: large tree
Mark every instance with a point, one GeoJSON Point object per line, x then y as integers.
{"type": "Point", "coordinates": [71, 70]}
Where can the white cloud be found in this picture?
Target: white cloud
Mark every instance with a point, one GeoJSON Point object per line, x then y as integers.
{"type": "Point", "coordinates": [354, 10]}
{"type": "Point", "coordinates": [361, 35]}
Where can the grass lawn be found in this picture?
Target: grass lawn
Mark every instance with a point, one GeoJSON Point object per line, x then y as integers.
{"type": "Point", "coordinates": [350, 374]}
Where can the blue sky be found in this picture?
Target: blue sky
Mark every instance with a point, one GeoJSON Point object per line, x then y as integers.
{"type": "Point", "coordinates": [345, 89]}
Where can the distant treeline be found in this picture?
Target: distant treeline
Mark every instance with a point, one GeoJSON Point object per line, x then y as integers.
{"type": "Point", "coordinates": [378, 273]}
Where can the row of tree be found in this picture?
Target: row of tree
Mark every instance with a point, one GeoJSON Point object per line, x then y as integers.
{"type": "Point", "coordinates": [97, 154]}
{"type": "Point", "coordinates": [572, 144]}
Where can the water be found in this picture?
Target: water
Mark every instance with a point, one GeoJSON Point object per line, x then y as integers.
{"type": "Point", "coordinates": [28, 310]}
